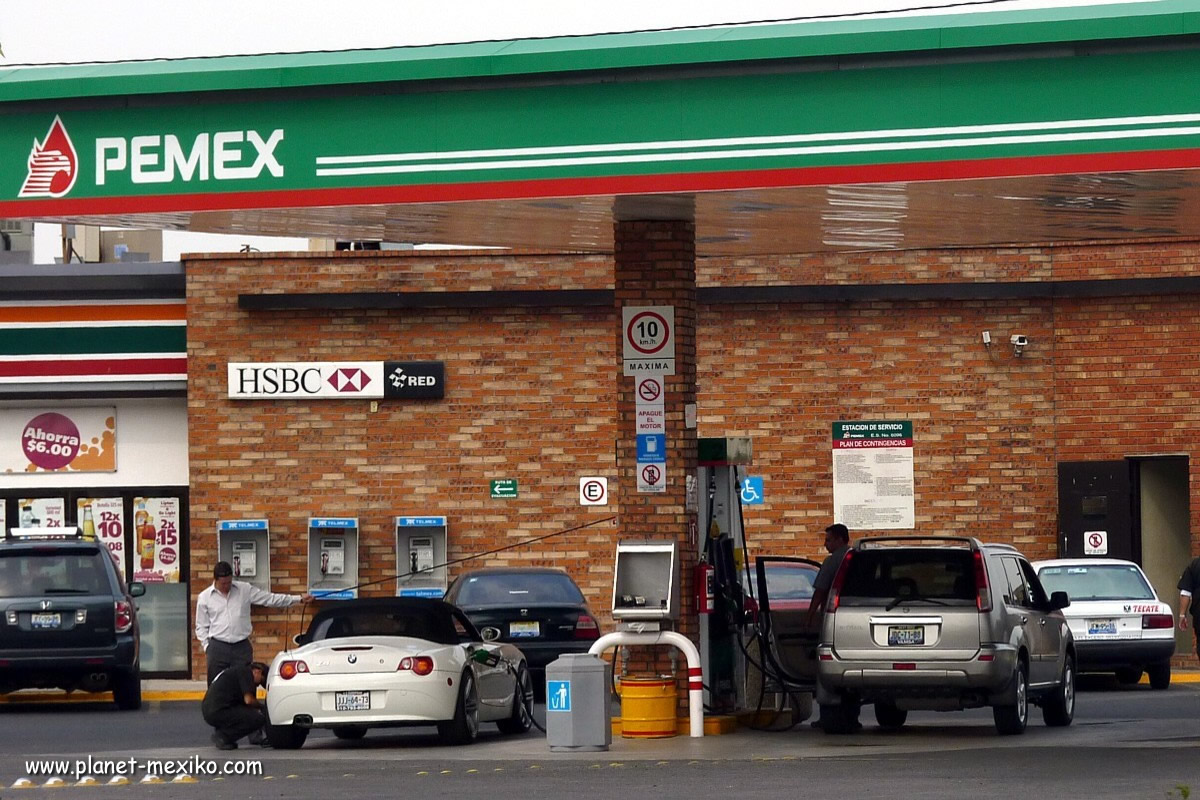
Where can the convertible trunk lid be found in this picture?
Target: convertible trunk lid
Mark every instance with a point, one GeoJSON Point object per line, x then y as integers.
{"type": "Point", "coordinates": [364, 655]}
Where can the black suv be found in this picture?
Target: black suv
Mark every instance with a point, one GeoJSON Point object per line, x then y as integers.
{"type": "Point", "coordinates": [68, 619]}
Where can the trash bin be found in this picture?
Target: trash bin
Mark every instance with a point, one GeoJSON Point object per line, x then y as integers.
{"type": "Point", "coordinates": [578, 696]}
{"type": "Point", "coordinates": [648, 707]}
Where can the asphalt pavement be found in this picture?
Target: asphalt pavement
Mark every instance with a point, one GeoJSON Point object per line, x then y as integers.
{"type": "Point", "coordinates": [1125, 742]}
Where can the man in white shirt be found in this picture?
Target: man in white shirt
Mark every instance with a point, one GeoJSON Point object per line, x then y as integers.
{"type": "Point", "coordinates": [223, 618]}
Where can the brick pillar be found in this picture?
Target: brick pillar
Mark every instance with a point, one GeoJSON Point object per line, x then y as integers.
{"type": "Point", "coordinates": [656, 266]}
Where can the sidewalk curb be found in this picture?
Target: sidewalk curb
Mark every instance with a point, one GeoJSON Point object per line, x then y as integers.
{"type": "Point", "coordinates": [196, 695]}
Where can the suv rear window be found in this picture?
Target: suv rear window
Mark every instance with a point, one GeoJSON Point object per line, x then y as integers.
{"type": "Point", "coordinates": [886, 574]}
{"type": "Point", "coordinates": [52, 571]}
{"type": "Point", "coordinates": [508, 589]}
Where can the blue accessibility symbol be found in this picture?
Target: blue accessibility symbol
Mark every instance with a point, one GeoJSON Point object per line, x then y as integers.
{"type": "Point", "coordinates": [752, 491]}
{"type": "Point", "coordinates": [558, 695]}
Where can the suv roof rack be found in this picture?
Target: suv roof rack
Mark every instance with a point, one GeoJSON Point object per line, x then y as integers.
{"type": "Point", "coordinates": [934, 541]}
{"type": "Point", "coordinates": [62, 532]}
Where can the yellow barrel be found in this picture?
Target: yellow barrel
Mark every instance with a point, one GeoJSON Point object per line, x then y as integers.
{"type": "Point", "coordinates": [648, 707]}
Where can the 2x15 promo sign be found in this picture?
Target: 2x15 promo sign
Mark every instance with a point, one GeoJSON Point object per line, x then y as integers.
{"type": "Point", "coordinates": [333, 380]}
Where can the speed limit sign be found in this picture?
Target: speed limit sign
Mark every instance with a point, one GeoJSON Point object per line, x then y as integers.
{"type": "Point", "coordinates": [593, 491]}
{"type": "Point", "coordinates": [648, 333]}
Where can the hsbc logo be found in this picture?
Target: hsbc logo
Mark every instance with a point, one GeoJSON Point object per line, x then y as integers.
{"type": "Point", "coordinates": [53, 164]}
{"type": "Point", "coordinates": [349, 380]}
{"type": "Point", "coordinates": [336, 380]}
{"type": "Point", "coordinates": [331, 380]}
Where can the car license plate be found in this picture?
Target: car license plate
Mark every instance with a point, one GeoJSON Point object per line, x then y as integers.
{"type": "Point", "coordinates": [352, 701]}
{"type": "Point", "coordinates": [899, 636]}
{"type": "Point", "coordinates": [518, 629]}
{"type": "Point", "coordinates": [1102, 627]}
{"type": "Point", "coordinates": [45, 620]}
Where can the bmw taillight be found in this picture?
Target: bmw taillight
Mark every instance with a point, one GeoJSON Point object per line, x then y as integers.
{"type": "Point", "coordinates": [586, 628]}
{"type": "Point", "coordinates": [418, 665]}
{"type": "Point", "coordinates": [1157, 621]}
{"type": "Point", "coordinates": [983, 597]}
{"type": "Point", "coordinates": [290, 669]}
{"type": "Point", "coordinates": [835, 591]}
{"type": "Point", "coordinates": [123, 611]}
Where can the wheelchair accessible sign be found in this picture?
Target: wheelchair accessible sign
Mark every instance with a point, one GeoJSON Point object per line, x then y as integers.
{"type": "Point", "coordinates": [752, 491]}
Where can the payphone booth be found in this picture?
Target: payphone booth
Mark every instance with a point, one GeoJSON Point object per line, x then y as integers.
{"type": "Point", "coordinates": [333, 558]}
{"type": "Point", "coordinates": [245, 543]}
{"type": "Point", "coordinates": [420, 556]}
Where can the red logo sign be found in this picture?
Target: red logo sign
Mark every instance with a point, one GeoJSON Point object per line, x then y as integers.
{"type": "Point", "coordinates": [53, 164]}
{"type": "Point", "coordinates": [349, 380]}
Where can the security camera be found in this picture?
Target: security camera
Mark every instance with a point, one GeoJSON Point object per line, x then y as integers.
{"type": "Point", "coordinates": [1019, 341]}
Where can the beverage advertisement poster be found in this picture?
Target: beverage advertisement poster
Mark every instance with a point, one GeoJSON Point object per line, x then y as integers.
{"type": "Point", "coordinates": [38, 440]}
{"type": "Point", "coordinates": [43, 512]}
{"type": "Point", "coordinates": [104, 518]}
{"type": "Point", "coordinates": [156, 539]}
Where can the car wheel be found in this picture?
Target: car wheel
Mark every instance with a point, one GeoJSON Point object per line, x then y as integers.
{"type": "Point", "coordinates": [286, 737]}
{"type": "Point", "coordinates": [350, 732]}
{"type": "Point", "coordinates": [522, 714]}
{"type": "Point", "coordinates": [1011, 719]}
{"type": "Point", "coordinates": [127, 690]}
{"type": "Point", "coordinates": [1128, 676]}
{"type": "Point", "coordinates": [1059, 708]}
{"type": "Point", "coordinates": [465, 726]}
{"type": "Point", "coordinates": [1160, 676]}
{"type": "Point", "coordinates": [890, 717]}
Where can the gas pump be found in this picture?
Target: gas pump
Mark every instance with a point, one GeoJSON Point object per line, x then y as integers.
{"type": "Point", "coordinates": [721, 549]}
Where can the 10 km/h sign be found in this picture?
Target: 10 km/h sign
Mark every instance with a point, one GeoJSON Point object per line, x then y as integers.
{"type": "Point", "coordinates": [649, 339]}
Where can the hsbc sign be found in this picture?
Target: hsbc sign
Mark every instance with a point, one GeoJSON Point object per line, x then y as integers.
{"type": "Point", "coordinates": [336, 380]}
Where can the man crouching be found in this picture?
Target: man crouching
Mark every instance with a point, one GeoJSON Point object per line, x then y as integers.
{"type": "Point", "coordinates": [231, 704]}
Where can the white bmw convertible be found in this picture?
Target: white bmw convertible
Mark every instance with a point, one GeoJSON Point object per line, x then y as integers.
{"type": "Point", "coordinates": [389, 662]}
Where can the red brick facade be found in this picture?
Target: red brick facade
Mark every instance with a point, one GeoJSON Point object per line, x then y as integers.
{"type": "Point", "coordinates": [536, 394]}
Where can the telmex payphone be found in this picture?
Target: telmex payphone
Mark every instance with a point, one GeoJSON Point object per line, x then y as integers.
{"type": "Point", "coordinates": [245, 543]}
{"type": "Point", "coordinates": [333, 557]}
{"type": "Point", "coordinates": [646, 585]}
{"type": "Point", "coordinates": [420, 556]}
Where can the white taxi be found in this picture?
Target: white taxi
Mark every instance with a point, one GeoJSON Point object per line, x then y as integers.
{"type": "Point", "coordinates": [1117, 620]}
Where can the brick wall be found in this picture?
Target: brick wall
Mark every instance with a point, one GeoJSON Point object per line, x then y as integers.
{"type": "Point", "coordinates": [532, 394]}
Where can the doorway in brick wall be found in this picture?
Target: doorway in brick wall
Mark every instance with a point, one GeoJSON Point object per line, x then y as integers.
{"type": "Point", "coordinates": [1136, 508]}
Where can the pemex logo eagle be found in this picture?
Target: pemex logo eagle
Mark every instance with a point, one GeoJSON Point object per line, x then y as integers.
{"type": "Point", "coordinates": [53, 164]}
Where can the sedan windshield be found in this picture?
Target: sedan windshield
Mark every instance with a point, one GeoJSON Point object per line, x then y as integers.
{"type": "Point", "coordinates": [519, 588]}
{"type": "Point", "coordinates": [1097, 582]}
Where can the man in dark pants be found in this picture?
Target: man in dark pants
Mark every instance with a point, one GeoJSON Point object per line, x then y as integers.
{"type": "Point", "coordinates": [1189, 610]}
{"type": "Point", "coordinates": [223, 618]}
{"type": "Point", "coordinates": [837, 544]}
{"type": "Point", "coordinates": [231, 704]}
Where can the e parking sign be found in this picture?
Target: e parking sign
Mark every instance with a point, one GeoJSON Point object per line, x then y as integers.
{"type": "Point", "coordinates": [593, 491]}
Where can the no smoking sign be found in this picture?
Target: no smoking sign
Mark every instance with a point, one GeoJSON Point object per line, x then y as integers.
{"type": "Point", "coordinates": [593, 491]}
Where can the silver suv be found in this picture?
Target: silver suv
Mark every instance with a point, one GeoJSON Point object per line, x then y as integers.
{"type": "Point", "coordinates": [942, 623]}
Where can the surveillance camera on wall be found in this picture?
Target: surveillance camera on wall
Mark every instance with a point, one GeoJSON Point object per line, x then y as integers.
{"type": "Point", "coordinates": [1019, 341]}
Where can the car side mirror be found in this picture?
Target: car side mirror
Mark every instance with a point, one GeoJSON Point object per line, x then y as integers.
{"type": "Point", "coordinates": [1059, 600]}
{"type": "Point", "coordinates": [136, 589]}
{"type": "Point", "coordinates": [490, 634]}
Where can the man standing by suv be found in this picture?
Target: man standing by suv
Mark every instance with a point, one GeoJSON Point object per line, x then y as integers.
{"type": "Point", "coordinates": [1189, 584]}
{"type": "Point", "coordinates": [837, 542]}
{"type": "Point", "coordinates": [223, 618]}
